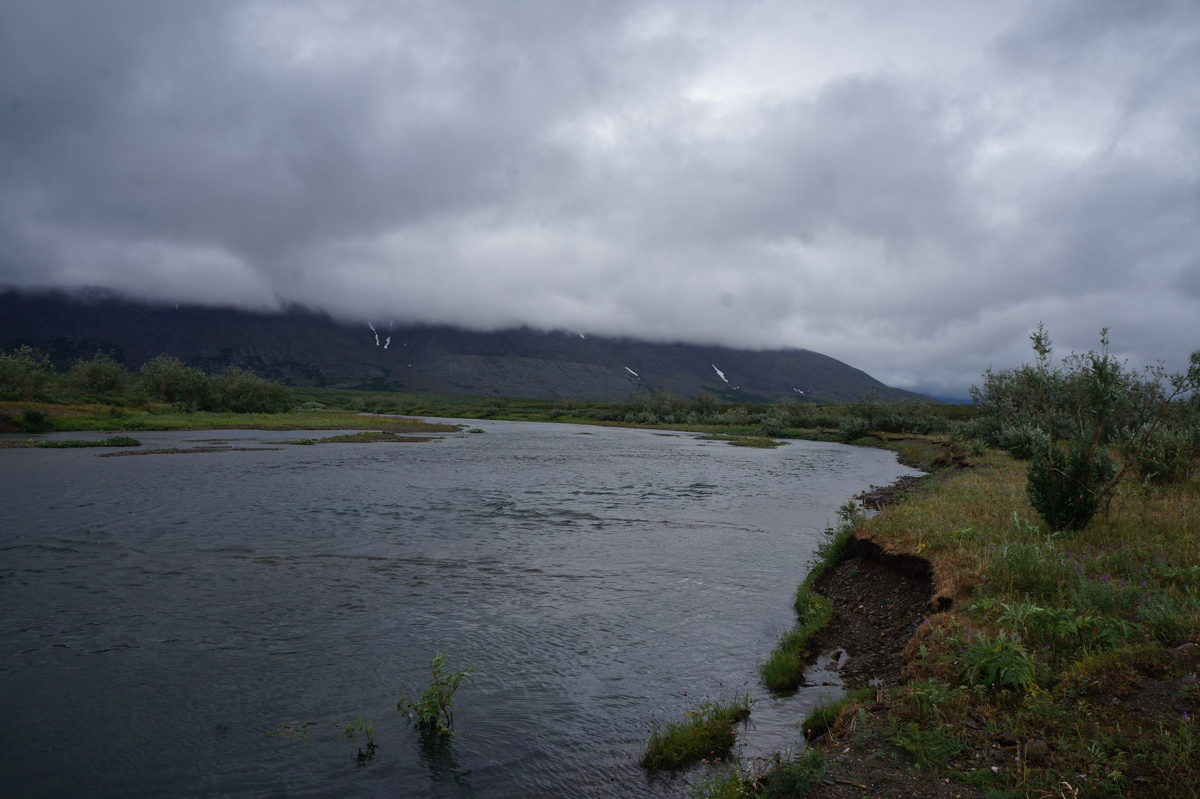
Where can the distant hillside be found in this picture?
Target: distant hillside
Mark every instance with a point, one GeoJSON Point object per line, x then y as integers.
{"type": "Point", "coordinates": [307, 348]}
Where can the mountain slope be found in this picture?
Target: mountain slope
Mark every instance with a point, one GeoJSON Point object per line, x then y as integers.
{"type": "Point", "coordinates": [304, 347]}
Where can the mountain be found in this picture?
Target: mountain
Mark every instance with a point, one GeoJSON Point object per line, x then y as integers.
{"type": "Point", "coordinates": [303, 347]}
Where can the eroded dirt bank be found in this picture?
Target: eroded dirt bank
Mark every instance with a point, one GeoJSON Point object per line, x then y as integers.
{"type": "Point", "coordinates": [880, 600]}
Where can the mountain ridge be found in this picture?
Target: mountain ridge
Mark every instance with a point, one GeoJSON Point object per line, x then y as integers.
{"type": "Point", "coordinates": [307, 347]}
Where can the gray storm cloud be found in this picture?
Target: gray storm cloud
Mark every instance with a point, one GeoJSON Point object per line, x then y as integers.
{"type": "Point", "coordinates": [909, 187]}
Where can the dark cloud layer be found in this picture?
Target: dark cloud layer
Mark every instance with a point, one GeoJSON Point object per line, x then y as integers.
{"type": "Point", "coordinates": [907, 186]}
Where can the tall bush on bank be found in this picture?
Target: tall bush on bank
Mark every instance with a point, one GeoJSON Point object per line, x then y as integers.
{"type": "Point", "coordinates": [1066, 417]}
{"type": "Point", "coordinates": [166, 379]}
{"type": "Point", "coordinates": [241, 391]}
{"type": "Point", "coordinates": [101, 376]}
{"type": "Point", "coordinates": [26, 374]}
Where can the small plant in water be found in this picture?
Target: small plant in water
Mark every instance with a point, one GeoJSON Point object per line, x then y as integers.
{"type": "Point", "coordinates": [434, 710]}
{"type": "Point", "coordinates": [367, 727]}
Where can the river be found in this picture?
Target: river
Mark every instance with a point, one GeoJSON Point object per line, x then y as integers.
{"type": "Point", "coordinates": [206, 624]}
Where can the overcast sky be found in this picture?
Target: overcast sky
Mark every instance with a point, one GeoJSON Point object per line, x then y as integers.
{"type": "Point", "coordinates": [907, 186]}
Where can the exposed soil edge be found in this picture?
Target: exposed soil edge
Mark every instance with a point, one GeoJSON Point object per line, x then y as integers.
{"type": "Point", "coordinates": [880, 598]}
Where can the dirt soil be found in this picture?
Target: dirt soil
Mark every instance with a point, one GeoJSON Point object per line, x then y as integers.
{"type": "Point", "coordinates": [879, 601]}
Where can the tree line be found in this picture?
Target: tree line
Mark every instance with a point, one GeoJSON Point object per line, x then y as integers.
{"type": "Point", "coordinates": [27, 375]}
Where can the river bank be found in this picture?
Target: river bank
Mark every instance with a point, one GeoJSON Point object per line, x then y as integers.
{"type": "Point", "coordinates": [1010, 659]}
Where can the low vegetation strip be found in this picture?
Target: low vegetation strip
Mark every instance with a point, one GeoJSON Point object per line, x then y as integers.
{"type": "Point", "coordinates": [365, 437]}
{"type": "Point", "coordinates": [70, 443]}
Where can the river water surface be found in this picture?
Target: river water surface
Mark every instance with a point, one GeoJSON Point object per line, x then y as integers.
{"type": "Point", "coordinates": [207, 624]}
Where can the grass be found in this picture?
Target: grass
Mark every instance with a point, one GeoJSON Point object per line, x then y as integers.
{"type": "Point", "coordinates": [71, 443]}
{"type": "Point", "coordinates": [823, 716]}
{"type": "Point", "coordinates": [1055, 637]}
{"type": "Point", "coordinates": [365, 437]}
{"type": "Point", "coordinates": [782, 776]}
{"type": "Point", "coordinates": [704, 733]}
{"type": "Point", "coordinates": [783, 671]}
{"type": "Point", "coordinates": [757, 442]}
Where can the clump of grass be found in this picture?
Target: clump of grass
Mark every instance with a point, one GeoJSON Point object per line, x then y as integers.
{"type": "Point", "coordinates": [706, 732]}
{"type": "Point", "coordinates": [999, 661]}
{"type": "Point", "coordinates": [784, 668]}
{"type": "Point", "coordinates": [476, 430]}
{"type": "Point", "coordinates": [931, 746]}
{"type": "Point", "coordinates": [822, 717]}
{"type": "Point", "coordinates": [365, 437]}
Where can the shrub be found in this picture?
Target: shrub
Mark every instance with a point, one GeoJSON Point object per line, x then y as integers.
{"type": "Point", "coordinates": [34, 420]}
{"type": "Point", "coordinates": [25, 374]}
{"type": "Point", "coordinates": [101, 376]}
{"type": "Point", "coordinates": [770, 427]}
{"type": "Point", "coordinates": [852, 429]}
{"type": "Point", "coordinates": [434, 710]}
{"type": "Point", "coordinates": [1023, 441]}
{"type": "Point", "coordinates": [242, 391]}
{"type": "Point", "coordinates": [1066, 484]}
{"type": "Point", "coordinates": [166, 379]}
{"type": "Point", "coordinates": [1166, 454]}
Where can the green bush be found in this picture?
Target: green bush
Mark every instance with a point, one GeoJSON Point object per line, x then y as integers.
{"type": "Point", "coordinates": [241, 391]}
{"type": "Point", "coordinates": [34, 420]}
{"type": "Point", "coordinates": [852, 429]}
{"type": "Point", "coordinates": [25, 374]}
{"type": "Point", "coordinates": [100, 377]}
{"type": "Point", "coordinates": [1066, 484]}
{"type": "Point", "coordinates": [166, 379]}
{"type": "Point", "coordinates": [1023, 441]}
{"type": "Point", "coordinates": [771, 427]}
{"type": "Point", "coordinates": [1163, 455]}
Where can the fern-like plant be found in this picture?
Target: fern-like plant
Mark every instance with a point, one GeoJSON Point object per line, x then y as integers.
{"type": "Point", "coordinates": [1001, 661]}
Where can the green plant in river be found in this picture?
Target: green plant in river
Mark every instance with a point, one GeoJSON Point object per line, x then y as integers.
{"type": "Point", "coordinates": [704, 732]}
{"type": "Point", "coordinates": [434, 710]}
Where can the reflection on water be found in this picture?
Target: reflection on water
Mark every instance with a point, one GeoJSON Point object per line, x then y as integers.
{"type": "Point", "coordinates": [436, 753]}
{"type": "Point", "coordinates": [163, 614]}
